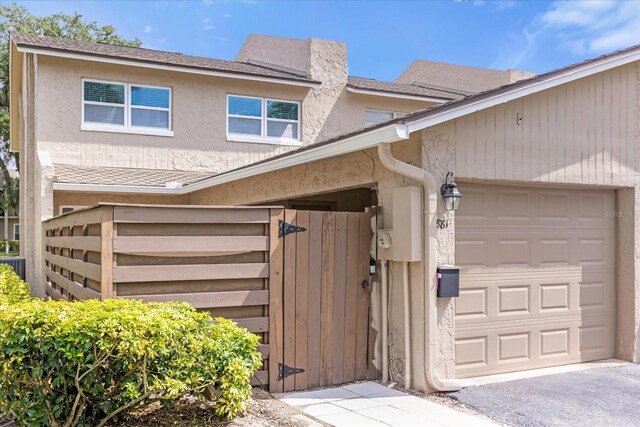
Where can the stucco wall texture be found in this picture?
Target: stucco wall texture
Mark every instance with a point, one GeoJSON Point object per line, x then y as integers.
{"type": "Point", "coordinates": [198, 113]}
{"type": "Point", "coordinates": [582, 133]}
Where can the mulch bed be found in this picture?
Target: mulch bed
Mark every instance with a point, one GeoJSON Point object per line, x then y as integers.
{"type": "Point", "coordinates": [264, 411]}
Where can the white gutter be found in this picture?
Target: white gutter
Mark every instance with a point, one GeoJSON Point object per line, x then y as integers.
{"type": "Point", "coordinates": [179, 69]}
{"type": "Point", "coordinates": [396, 95]}
{"type": "Point", "coordinates": [429, 262]}
{"type": "Point", "coordinates": [103, 188]}
{"type": "Point", "coordinates": [354, 143]}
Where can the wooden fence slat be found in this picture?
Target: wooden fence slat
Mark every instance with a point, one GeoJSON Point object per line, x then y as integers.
{"type": "Point", "coordinates": [260, 378]}
{"type": "Point", "coordinates": [189, 245]}
{"type": "Point", "coordinates": [182, 214]}
{"type": "Point", "coordinates": [211, 299]}
{"type": "Point", "coordinates": [352, 285]}
{"type": "Point", "coordinates": [276, 256]}
{"type": "Point", "coordinates": [326, 314]}
{"type": "Point", "coordinates": [53, 293]}
{"type": "Point", "coordinates": [83, 217]}
{"type": "Point", "coordinates": [84, 269]}
{"type": "Point", "coordinates": [315, 299]}
{"type": "Point", "coordinates": [165, 273]}
{"type": "Point", "coordinates": [339, 293]}
{"type": "Point", "coordinates": [254, 324]}
{"type": "Point", "coordinates": [363, 354]}
{"type": "Point", "coordinates": [86, 243]}
{"type": "Point", "coordinates": [264, 349]}
{"type": "Point", "coordinates": [302, 299]}
{"type": "Point", "coordinates": [289, 299]}
{"type": "Point", "coordinates": [73, 288]}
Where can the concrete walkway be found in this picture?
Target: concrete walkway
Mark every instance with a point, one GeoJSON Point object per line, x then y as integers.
{"type": "Point", "coordinates": [374, 405]}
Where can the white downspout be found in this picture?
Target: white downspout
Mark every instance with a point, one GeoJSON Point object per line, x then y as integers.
{"type": "Point", "coordinates": [429, 262]}
{"type": "Point", "coordinates": [407, 326]}
{"type": "Point", "coordinates": [385, 322]}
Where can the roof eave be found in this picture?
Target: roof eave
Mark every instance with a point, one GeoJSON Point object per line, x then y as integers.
{"type": "Point", "coordinates": [397, 95]}
{"type": "Point", "coordinates": [107, 188]}
{"type": "Point", "coordinates": [166, 67]}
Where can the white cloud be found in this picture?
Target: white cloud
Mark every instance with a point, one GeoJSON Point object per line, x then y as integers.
{"type": "Point", "coordinates": [582, 28]}
{"type": "Point", "coordinates": [594, 26]}
{"type": "Point", "coordinates": [226, 15]}
{"type": "Point", "coordinates": [149, 29]}
{"type": "Point", "coordinates": [206, 24]}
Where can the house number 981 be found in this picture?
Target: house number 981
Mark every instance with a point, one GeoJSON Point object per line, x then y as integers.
{"type": "Point", "coordinates": [442, 224]}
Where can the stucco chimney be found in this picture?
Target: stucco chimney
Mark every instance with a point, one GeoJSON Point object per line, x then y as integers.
{"type": "Point", "coordinates": [459, 77]}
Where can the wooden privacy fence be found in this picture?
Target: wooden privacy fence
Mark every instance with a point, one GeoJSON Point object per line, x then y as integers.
{"type": "Point", "coordinates": [293, 277]}
{"type": "Point", "coordinates": [320, 269]}
{"type": "Point", "coordinates": [215, 258]}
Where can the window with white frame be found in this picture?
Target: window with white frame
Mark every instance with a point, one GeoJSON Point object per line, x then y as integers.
{"type": "Point", "coordinates": [265, 120]}
{"type": "Point", "coordinates": [125, 107]}
{"type": "Point", "coordinates": [374, 117]}
{"type": "Point", "coordinates": [16, 231]}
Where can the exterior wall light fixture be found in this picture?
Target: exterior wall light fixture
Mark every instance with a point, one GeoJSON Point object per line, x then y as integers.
{"type": "Point", "coordinates": [450, 193]}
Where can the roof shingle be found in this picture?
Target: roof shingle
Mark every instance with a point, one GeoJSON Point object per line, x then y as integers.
{"type": "Point", "coordinates": [404, 89]}
{"type": "Point", "coordinates": [153, 56]}
{"type": "Point", "coordinates": [72, 174]}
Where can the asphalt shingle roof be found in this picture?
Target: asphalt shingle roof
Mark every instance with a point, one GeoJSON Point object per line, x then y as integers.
{"type": "Point", "coordinates": [153, 56]}
{"type": "Point", "coordinates": [72, 174]}
{"type": "Point", "coordinates": [403, 88]}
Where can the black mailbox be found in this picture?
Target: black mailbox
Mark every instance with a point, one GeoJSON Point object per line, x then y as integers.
{"type": "Point", "coordinates": [448, 282]}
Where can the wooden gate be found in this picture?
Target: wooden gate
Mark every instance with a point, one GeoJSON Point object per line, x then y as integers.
{"type": "Point", "coordinates": [319, 306]}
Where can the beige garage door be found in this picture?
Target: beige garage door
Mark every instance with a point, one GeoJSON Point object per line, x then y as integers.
{"type": "Point", "coordinates": [537, 278]}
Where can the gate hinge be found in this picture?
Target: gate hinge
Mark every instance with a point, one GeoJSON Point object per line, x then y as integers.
{"type": "Point", "coordinates": [285, 228]}
{"type": "Point", "coordinates": [285, 371]}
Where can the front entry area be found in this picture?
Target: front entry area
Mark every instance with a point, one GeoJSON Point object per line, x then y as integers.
{"type": "Point", "coordinates": [537, 283]}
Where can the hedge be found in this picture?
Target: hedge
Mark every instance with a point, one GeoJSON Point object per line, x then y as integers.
{"type": "Point", "coordinates": [14, 245]}
{"type": "Point", "coordinates": [12, 288]}
{"type": "Point", "coordinates": [89, 363]}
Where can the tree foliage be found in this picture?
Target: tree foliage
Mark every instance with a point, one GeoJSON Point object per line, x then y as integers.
{"type": "Point", "coordinates": [17, 18]}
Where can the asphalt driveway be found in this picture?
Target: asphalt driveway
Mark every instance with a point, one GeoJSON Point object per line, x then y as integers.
{"type": "Point", "coordinates": [597, 397]}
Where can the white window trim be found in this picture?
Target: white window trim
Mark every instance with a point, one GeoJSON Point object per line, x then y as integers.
{"type": "Point", "coordinates": [263, 139]}
{"type": "Point", "coordinates": [127, 127]}
{"type": "Point", "coordinates": [394, 114]}
{"type": "Point", "coordinates": [61, 208]}
{"type": "Point", "coordinates": [14, 231]}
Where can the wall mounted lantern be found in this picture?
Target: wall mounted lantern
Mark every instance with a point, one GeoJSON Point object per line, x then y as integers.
{"type": "Point", "coordinates": [450, 193]}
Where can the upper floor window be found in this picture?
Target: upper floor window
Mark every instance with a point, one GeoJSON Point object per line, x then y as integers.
{"type": "Point", "coordinates": [373, 117]}
{"type": "Point", "coordinates": [263, 120]}
{"type": "Point", "coordinates": [123, 107]}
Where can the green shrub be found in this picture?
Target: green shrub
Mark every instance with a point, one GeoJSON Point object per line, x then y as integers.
{"type": "Point", "coordinates": [14, 245]}
{"type": "Point", "coordinates": [12, 288]}
{"type": "Point", "coordinates": [90, 362]}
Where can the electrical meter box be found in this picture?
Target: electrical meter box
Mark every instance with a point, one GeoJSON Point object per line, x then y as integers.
{"type": "Point", "coordinates": [407, 224]}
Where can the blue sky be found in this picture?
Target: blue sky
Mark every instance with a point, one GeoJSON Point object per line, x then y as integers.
{"type": "Point", "coordinates": [383, 37]}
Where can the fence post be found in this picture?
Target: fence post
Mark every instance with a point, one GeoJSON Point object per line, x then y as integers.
{"type": "Point", "coordinates": [276, 332]}
{"type": "Point", "coordinates": [106, 253]}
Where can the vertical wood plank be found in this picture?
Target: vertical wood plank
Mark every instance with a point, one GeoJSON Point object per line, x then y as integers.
{"type": "Point", "coordinates": [302, 299]}
{"type": "Point", "coordinates": [106, 253]}
{"type": "Point", "coordinates": [326, 310]}
{"type": "Point", "coordinates": [339, 293]}
{"type": "Point", "coordinates": [352, 284]}
{"type": "Point", "coordinates": [289, 299]}
{"type": "Point", "coordinates": [315, 299]}
{"type": "Point", "coordinates": [276, 257]}
{"type": "Point", "coordinates": [364, 346]}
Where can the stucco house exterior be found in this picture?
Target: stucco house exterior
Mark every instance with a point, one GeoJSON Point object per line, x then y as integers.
{"type": "Point", "coordinates": [546, 234]}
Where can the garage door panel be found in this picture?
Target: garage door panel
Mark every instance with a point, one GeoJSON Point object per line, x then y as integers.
{"type": "Point", "coordinates": [537, 283]}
